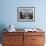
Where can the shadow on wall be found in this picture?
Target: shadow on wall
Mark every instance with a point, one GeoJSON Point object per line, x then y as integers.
{"type": "Point", "coordinates": [2, 26]}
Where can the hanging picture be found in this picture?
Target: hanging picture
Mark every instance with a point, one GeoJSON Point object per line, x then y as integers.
{"type": "Point", "coordinates": [26, 14]}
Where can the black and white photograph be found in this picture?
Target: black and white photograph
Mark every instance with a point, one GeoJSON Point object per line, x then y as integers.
{"type": "Point", "coordinates": [26, 14]}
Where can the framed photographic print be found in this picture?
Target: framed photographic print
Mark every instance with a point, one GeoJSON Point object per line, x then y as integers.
{"type": "Point", "coordinates": [26, 14]}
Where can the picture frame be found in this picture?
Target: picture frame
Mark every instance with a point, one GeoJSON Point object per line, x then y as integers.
{"type": "Point", "coordinates": [26, 14]}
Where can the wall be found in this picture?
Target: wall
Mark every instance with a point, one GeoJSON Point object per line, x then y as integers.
{"type": "Point", "coordinates": [8, 13]}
